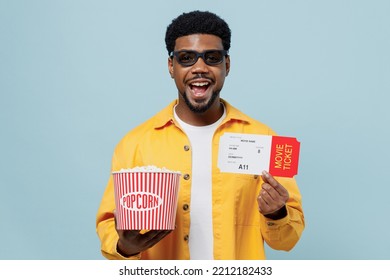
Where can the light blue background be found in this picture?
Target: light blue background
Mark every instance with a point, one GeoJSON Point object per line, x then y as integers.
{"type": "Point", "coordinates": [75, 76]}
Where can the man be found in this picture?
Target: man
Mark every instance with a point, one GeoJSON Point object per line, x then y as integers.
{"type": "Point", "coordinates": [219, 215]}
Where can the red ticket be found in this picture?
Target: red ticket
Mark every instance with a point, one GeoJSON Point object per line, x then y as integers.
{"type": "Point", "coordinates": [284, 156]}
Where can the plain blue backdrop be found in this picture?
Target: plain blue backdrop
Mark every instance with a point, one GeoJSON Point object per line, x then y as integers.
{"type": "Point", "coordinates": [75, 76]}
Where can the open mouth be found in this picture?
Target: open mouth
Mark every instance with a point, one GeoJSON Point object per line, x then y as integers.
{"type": "Point", "coordinates": [199, 89]}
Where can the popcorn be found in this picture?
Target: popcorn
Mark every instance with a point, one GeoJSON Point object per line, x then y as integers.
{"type": "Point", "coordinates": [147, 168]}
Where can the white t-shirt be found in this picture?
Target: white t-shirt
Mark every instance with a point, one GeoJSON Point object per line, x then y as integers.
{"type": "Point", "coordinates": [201, 227]}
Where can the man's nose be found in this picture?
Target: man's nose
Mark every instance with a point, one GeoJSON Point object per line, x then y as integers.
{"type": "Point", "coordinates": [200, 66]}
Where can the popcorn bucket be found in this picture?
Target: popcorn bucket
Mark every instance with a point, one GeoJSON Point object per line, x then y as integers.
{"type": "Point", "coordinates": [146, 199]}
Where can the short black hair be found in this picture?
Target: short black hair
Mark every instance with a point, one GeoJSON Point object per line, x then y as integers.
{"type": "Point", "coordinates": [197, 22]}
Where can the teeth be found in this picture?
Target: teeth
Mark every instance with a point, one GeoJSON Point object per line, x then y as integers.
{"type": "Point", "coordinates": [200, 84]}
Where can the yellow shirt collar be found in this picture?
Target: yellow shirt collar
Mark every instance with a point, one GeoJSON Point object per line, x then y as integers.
{"type": "Point", "coordinates": [165, 117]}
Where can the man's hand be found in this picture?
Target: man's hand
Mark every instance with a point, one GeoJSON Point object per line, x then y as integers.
{"type": "Point", "coordinates": [132, 242]}
{"type": "Point", "coordinates": [272, 197]}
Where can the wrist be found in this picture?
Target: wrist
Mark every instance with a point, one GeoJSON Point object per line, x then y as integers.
{"type": "Point", "coordinates": [278, 214]}
{"type": "Point", "coordinates": [121, 249]}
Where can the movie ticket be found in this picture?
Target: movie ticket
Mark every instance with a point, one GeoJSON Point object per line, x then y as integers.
{"type": "Point", "coordinates": [253, 153]}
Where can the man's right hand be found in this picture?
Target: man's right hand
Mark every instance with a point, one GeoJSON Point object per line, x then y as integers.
{"type": "Point", "coordinates": [132, 242]}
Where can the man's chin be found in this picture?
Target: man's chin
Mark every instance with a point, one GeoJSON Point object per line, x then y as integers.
{"type": "Point", "coordinates": [200, 105]}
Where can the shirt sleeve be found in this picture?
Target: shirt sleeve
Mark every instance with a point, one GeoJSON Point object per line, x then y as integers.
{"type": "Point", "coordinates": [283, 234]}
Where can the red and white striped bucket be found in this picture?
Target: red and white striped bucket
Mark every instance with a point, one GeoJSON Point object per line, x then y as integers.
{"type": "Point", "coordinates": [146, 200]}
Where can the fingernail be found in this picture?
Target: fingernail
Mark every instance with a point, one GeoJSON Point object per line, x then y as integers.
{"type": "Point", "coordinates": [265, 173]}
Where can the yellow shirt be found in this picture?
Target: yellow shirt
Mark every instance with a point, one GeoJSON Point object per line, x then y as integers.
{"type": "Point", "coordinates": [239, 229]}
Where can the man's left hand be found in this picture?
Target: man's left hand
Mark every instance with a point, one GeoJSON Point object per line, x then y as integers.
{"type": "Point", "coordinates": [273, 196]}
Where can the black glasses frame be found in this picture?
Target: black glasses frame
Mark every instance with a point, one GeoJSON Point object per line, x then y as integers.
{"type": "Point", "coordinates": [203, 55]}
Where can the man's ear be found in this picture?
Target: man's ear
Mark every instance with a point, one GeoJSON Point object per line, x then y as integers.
{"type": "Point", "coordinates": [227, 65]}
{"type": "Point", "coordinates": [170, 66]}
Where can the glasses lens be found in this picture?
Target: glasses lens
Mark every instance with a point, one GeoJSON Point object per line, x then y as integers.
{"type": "Point", "coordinates": [186, 57]}
{"type": "Point", "coordinates": [189, 58]}
{"type": "Point", "coordinates": [213, 57]}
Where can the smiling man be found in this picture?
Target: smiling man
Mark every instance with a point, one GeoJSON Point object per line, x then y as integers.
{"type": "Point", "coordinates": [219, 215]}
{"type": "Point", "coordinates": [199, 84]}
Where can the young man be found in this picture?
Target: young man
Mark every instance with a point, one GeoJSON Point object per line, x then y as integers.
{"type": "Point", "coordinates": [219, 215]}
